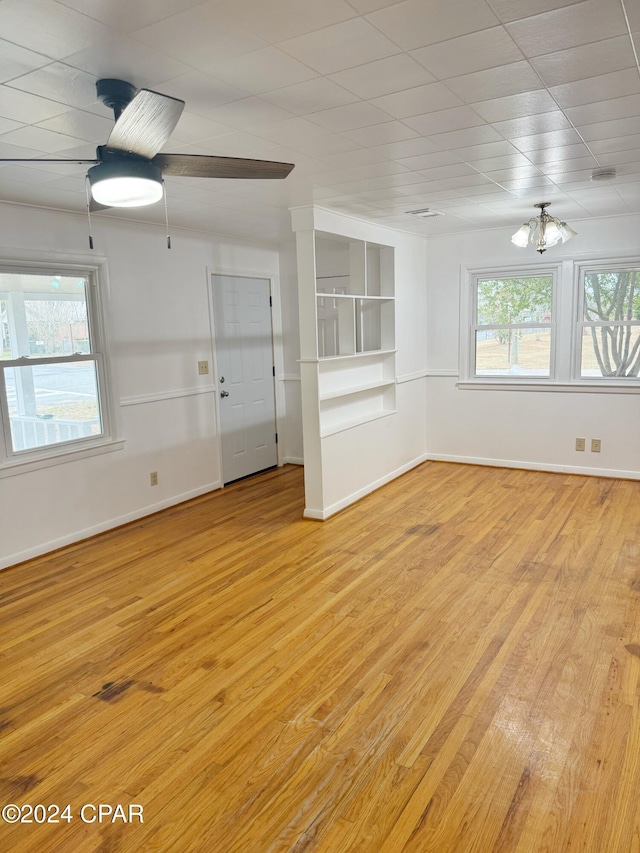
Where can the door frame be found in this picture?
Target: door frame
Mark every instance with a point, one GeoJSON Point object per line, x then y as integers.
{"type": "Point", "coordinates": [276, 345]}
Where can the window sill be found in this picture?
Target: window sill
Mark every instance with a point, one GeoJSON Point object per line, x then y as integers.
{"type": "Point", "coordinates": [578, 387]}
{"type": "Point", "coordinates": [25, 466]}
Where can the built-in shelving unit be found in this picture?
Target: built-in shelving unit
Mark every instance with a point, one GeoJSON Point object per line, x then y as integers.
{"type": "Point", "coordinates": [355, 319]}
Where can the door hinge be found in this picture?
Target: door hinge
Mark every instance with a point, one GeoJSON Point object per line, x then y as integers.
{"type": "Point", "coordinates": [276, 438]}
{"type": "Point", "coordinates": [273, 368]}
{"type": "Point", "coordinates": [270, 302]}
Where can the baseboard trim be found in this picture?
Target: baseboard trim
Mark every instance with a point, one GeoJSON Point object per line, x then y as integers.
{"type": "Point", "coordinates": [535, 466]}
{"type": "Point", "coordinates": [293, 460]}
{"type": "Point", "coordinates": [118, 521]}
{"type": "Point", "coordinates": [323, 514]}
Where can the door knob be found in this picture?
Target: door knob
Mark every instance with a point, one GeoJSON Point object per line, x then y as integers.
{"type": "Point", "coordinates": [224, 393]}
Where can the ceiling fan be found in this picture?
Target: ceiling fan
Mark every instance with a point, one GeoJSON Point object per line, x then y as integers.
{"type": "Point", "coordinates": [128, 170]}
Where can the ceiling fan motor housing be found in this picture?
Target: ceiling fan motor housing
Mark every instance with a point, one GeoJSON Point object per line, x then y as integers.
{"type": "Point", "coordinates": [115, 94]}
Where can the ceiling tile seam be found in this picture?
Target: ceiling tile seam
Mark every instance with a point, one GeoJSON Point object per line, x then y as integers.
{"type": "Point", "coordinates": [630, 33]}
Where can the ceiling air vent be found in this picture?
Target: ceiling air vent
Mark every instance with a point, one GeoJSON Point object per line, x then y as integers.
{"type": "Point", "coordinates": [605, 174]}
{"type": "Point", "coordinates": [425, 213]}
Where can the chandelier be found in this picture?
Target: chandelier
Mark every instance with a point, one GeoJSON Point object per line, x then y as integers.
{"type": "Point", "coordinates": [542, 231]}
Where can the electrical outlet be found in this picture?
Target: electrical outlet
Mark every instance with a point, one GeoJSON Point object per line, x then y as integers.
{"type": "Point", "coordinates": [203, 368]}
{"type": "Point", "coordinates": [581, 443]}
{"type": "Point", "coordinates": [153, 477]}
{"type": "Point", "coordinates": [596, 445]}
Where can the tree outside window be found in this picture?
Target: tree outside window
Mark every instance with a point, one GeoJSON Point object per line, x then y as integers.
{"type": "Point", "coordinates": [513, 328]}
{"type": "Point", "coordinates": [610, 339]}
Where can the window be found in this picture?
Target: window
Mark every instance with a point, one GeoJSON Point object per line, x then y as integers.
{"type": "Point", "coordinates": [512, 328]}
{"type": "Point", "coordinates": [609, 322]}
{"type": "Point", "coordinates": [52, 371]}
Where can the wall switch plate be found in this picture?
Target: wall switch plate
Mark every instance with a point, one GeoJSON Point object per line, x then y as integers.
{"type": "Point", "coordinates": [153, 478]}
{"type": "Point", "coordinates": [596, 445]}
{"type": "Point", "coordinates": [203, 368]}
{"type": "Point", "coordinates": [581, 443]}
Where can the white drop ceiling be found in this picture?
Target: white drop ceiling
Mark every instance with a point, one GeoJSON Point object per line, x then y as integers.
{"type": "Point", "coordinates": [477, 108]}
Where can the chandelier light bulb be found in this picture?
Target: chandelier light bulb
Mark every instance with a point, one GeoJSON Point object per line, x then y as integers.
{"type": "Point", "coordinates": [542, 231]}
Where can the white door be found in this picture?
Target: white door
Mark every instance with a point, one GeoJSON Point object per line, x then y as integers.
{"type": "Point", "coordinates": [246, 385]}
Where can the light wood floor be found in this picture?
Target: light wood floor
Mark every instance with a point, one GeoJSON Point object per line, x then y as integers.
{"type": "Point", "coordinates": [453, 664]}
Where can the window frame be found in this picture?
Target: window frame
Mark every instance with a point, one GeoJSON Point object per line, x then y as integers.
{"type": "Point", "coordinates": [96, 298]}
{"type": "Point", "coordinates": [566, 308]}
{"type": "Point", "coordinates": [581, 269]}
{"type": "Point", "coordinates": [468, 354]}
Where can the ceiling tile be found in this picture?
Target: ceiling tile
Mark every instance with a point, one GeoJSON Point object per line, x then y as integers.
{"type": "Point", "coordinates": [383, 77]}
{"type": "Point", "coordinates": [580, 23]}
{"type": "Point", "coordinates": [81, 125]}
{"type": "Point", "coordinates": [413, 102]}
{"type": "Point", "coordinates": [16, 61]}
{"type": "Point", "coordinates": [601, 57]}
{"type": "Point", "coordinates": [290, 131]}
{"type": "Point", "coordinates": [61, 83]}
{"type": "Point", "coordinates": [278, 20]}
{"type": "Point", "coordinates": [552, 155]}
{"type": "Point", "coordinates": [47, 27]}
{"type": "Point", "coordinates": [606, 147]}
{"type": "Point", "coordinates": [515, 106]}
{"type": "Point", "coordinates": [528, 125]}
{"type": "Point", "coordinates": [604, 110]}
{"type": "Point", "coordinates": [25, 107]}
{"type": "Point", "coordinates": [193, 128]}
{"type": "Point", "coordinates": [612, 129]}
{"type": "Point", "coordinates": [513, 10]}
{"type": "Point", "coordinates": [495, 82]}
{"type": "Point", "coordinates": [442, 121]}
{"type": "Point", "coordinates": [416, 23]}
{"type": "Point", "coordinates": [261, 70]}
{"type": "Point", "coordinates": [196, 36]}
{"type": "Point", "coordinates": [120, 57]}
{"type": "Point", "coordinates": [340, 46]}
{"type": "Point", "coordinates": [330, 143]}
{"type": "Point", "coordinates": [614, 85]}
{"type": "Point", "coordinates": [349, 117]}
{"type": "Point", "coordinates": [244, 114]}
{"type": "Point", "coordinates": [470, 136]}
{"type": "Point", "coordinates": [469, 53]}
{"type": "Point", "coordinates": [455, 170]}
{"type": "Point", "coordinates": [42, 140]}
{"type": "Point", "coordinates": [123, 15]}
{"type": "Point", "coordinates": [203, 92]}
{"type": "Point", "coordinates": [426, 162]}
{"type": "Point", "coordinates": [310, 97]}
{"type": "Point", "coordinates": [472, 153]}
{"type": "Point", "coordinates": [488, 165]}
{"type": "Point", "coordinates": [408, 148]}
{"type": "Point", "coordinates": [554, 139]}
{"type": "Point", "coordinates": [380, 134]}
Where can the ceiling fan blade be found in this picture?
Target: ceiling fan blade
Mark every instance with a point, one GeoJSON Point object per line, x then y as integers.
{"type": "Point", "coordinates": [46, 160]}
{"type": "Point", "coordinates": [210, 166]}
{"type": "Point", "coordinates": [145, 124]}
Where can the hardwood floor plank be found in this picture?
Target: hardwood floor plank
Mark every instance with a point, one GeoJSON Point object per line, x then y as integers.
{"type": "Point", "coordinates": [452, 664]}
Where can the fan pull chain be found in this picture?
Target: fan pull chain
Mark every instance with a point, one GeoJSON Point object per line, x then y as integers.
{"type": "Point", "coordinates": [166, 214]}
{"type": "Point", "coordinates": [86, 186]}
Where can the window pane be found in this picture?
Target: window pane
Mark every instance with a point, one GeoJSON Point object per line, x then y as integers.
{"type": "Point", "coordinates": [52, 403]}
{"type": "Point", "coordinates": [43, 315]}
{"type": "Point", "coordinates": [513, 352]}
{"type": "Point", "coordinates": [515, 300]}
{"type": "Point", "coordinates": [612, 295]}
{"type": "Point", "coordinates": [610, 351]}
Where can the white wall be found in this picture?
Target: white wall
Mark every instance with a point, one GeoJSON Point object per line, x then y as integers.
{"type": "Point", "coordinates": [342, 467]}
{"type": "Point", "coordinates": [159, 327]}
{"type": "Point", "coordinates": [522, 428]}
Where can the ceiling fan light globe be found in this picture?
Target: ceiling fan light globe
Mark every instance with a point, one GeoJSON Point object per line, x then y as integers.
{"type": "Point", "coordinates": [126, 184]}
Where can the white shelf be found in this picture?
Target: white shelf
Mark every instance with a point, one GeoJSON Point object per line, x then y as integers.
{"type": "Point", "coordinates": [357, 389]}
{"type": "Point", "coordinates": [355, 422]}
